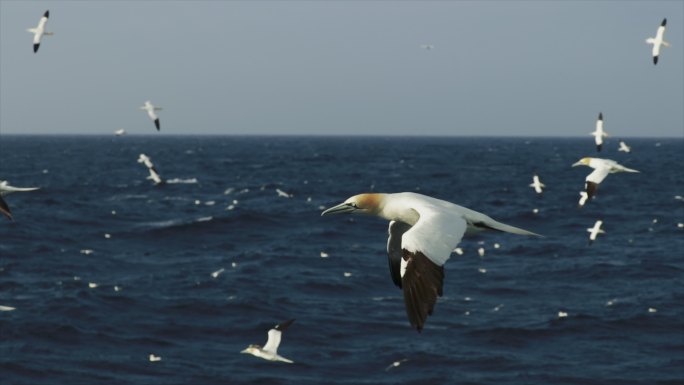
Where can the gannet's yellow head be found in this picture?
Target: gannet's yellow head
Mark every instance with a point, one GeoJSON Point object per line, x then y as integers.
{"type": "Point", "coordinates": [362, 203]}
{"type": "Point", "coordinates": [582, 162]}
{"type": "Point", "coordinates": [251, 349]}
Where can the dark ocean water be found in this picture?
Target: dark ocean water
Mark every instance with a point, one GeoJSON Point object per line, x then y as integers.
{"type": "Point", "coordinates": [498, 322]}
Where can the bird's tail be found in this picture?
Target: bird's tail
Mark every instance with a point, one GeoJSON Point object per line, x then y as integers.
{"type": "Point", "coordinates": [494, 225]}
{"type": "Point", "coordinates": [666, 44]}
{"type": "Point", "coordinates": [48, 33]}
{"type": "Point", "coordinates": [625, 169]}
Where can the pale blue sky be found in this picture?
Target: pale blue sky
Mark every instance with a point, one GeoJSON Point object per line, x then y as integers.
{"type": "Point", "coordinates": [343, 67]}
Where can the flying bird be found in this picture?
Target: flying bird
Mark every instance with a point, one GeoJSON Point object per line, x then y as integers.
{"type": "Point", "coordinates": [595, 231]}
{"type": "Point", "coordinates": [120, 132]}
{"type": "Point", "coordinates": [599, 134]}
{"type": "Point", "coordinates": [658, 41]}
{"type": "Point", "coordinates": [602, 167]}
{"type": "Point", "coordinates": [39, 31]}
{"type": "Point", "coordinates": [624, 147]}
{"type": "Point", "coordinates": [423, 231]}
{"type": "Point", "coordinates": [5, 189]}
{"type": "Point", "coordinates": [150, 166]}
{"type": "Point", "coordinates": [537, 184]}
{"type": "Point", "coordinates": [151, 108]}
{"type": "Point", "coordinates": [270, 350]}
{"type": "Point", "coordinates": [427, 46]}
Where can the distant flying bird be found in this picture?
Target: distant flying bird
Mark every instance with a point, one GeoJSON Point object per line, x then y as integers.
{"type": "Point", "coordinates": [150, 166]}
{"type": "Point", "coordinates": [658, 41]}
{"type": "Point", "coordinates": [595, 231]}
{"type": "Point", "coordinates": [151, 108]}
{"type": "Point", "coordinates": [423, 231]}
{"type": "Point", "coordinates": [599, 134]}
{"type": "Point", "coordinates": [624, 147]}
{"type": "Point", "coordinates": [537, 184]}
{"type": "Point", "coordinates": [602, 167]}
{"type": "Point", "coordinates": [270, 350]}
{"type": "Point", "coordinates": [427, 46]}
{"type": "Point", "coordinates": [120, 132]}
{"type": "Point", "coordinates": [5, 189]}
{"type": "Point", "coordinates": [39, 31]}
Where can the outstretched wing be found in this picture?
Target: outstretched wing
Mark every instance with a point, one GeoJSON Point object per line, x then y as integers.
{"type": "Point", "coordinates": [394, 252]}
{"type": "Point", "coordinates": [4, 209]}
{"type": "Point", "coordinates": [598, 175]}
{"type": "Point", "coordinates": [274, 336]}
{"type": "Point", "coordinates": [426, 247]}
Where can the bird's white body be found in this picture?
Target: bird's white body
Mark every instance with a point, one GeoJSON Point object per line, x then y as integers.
{"type": "Point", "coordinates": [423, 232]}
{"type": "Point", "coordinates": [537, 184]}
{"type": "Point", "coordinates": [624, 147]}
{"type": "Point", "coordinates": [39, 31]}
{"type": "Point", "coordinates": [658, 41]}
{"type": "Point", "coordinates": [602, 167]}
{"type": "Point", "coordinates": [595, 231]}
{"type": "Point", "coordinates": [6, 189]}
{"type": "Point", "coordinates": [120, 132]}
{"type": "Point", "coordinates": [151, 108]}
{"type": "Point", "coordinates": [599, 134]}
{"type": "Point", "coordinates": [270, 350]}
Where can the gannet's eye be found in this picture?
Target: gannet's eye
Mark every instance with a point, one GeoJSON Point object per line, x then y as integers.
{"type": "Point", "coordinates": [354, 205]}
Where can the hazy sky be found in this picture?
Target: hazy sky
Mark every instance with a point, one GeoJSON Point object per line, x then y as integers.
{"type": "Point", "coordinates": [343, 67]}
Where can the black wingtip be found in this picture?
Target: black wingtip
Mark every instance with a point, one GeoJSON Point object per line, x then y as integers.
{"type": "Point", "coordinates": [599, 147]}
{"type": "Point", "coordinates": [600, 115]}
{"type": "Point", "coordinates": [47, 13]}
{"type": "Point", "coordinates": [664, 22]}
{"type": "Point", "coordinates": [156, 124]}
{"type": "Point", "coordinates": [35, 48]}
{"type": "Point", "coordinates": [655, 60]}
{"type": "Point", "coordinates": [284, 325]}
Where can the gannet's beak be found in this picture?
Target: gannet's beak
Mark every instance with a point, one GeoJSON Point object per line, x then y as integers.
{"type": "Point", "coordinates": [577, 164]}
{"type": "Point", "coordinates": [340, 209]}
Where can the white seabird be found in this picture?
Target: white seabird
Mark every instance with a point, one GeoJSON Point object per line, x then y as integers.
{"type": "Point", "coordinates": [624, 147]}
{"type": "Point", "coordinates": [658, 41]}
{"type": "Point", "coordinates": [120, 132]}
{"type": "Point", "coordinates": [537, 184]}
{"type": "Point", "coordinates": [423, 231]}
{"type": "Point", "coordinates": [5, 189]}
{"type": "Point", "coordinates": [153, 171]}
{"type": "Point", "coordinates": [595, 231]}
{"type": "Point", "coordinates": [151, 108]}
{"type": "Point", "coordinates": [270, 350]}
{"type": "Point", "coordinates": [602, 167]}
{"type": "Point", "coordinates": [599, 134]}
{"type": "Point", "coordinates": [39, 31]}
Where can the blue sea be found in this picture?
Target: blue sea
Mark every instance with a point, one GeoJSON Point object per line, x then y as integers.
{"type": "Point", "coordinates": [103, 268]}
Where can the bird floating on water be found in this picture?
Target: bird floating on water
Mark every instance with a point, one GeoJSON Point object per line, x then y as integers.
{"type": "Point", "coordinates": [39, 31]}
{"type": "Point", "coordinates": [599, 134]}
{"type": "Point", "coordinates": [5, 189]}
{"type": "Point", "coordinates": [624, 147]}
{"type": "Point", "coordinates": [658, 41]}
{"type": "Point", "coordinates": [602, 167]}
{"type": "Point", "coordinates": [423, 231]}
{"type": "Point", "coordinates": [150, 166]}
{"type": "Point", "coordinates": [270, 350]}
{"type": "Point", "coordinates": [537, 184]}
{"type": "Point", "coordinates": [595, 231]}
{"type": "Point", "coordinates": [151, 108]}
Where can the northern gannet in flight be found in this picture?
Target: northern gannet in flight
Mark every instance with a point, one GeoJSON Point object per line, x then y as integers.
{"type": "Point", "coordinates": [602, 167]}
{"type": "Point", "coordinates": [423, 231]}
{"type": "Point", "coordinates": [599, 134]}
{"type": "Point", "coordinates": [270, 350]}
{"type": "Point", "coordinates": [624, 147]}
{"type": "Point", "coordinates": [5, 189]}
{"type": "Point", "coordinates": [153, 172]}
{"type": "Point", "coordinates": [658, 41]}
{"type": "Point", "coordinates": [595, 231]}
{"type": "Point", "coordinates": [120, 132]}
{"type": "Point", "coordinates": [39, 31]}
{"type": "Point", "coordinates": [150, 108]}
{"type": "Point", "coordinates": [537, 184]}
